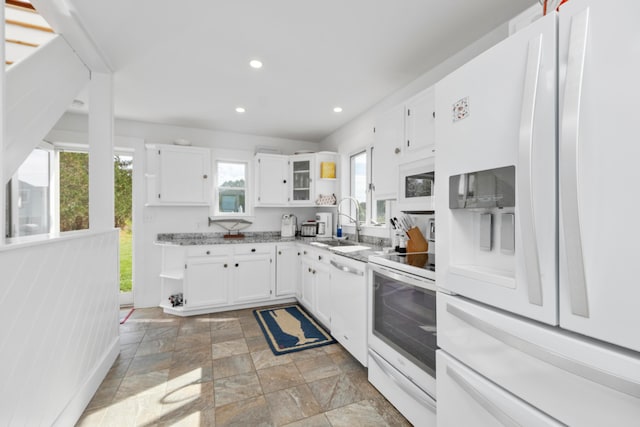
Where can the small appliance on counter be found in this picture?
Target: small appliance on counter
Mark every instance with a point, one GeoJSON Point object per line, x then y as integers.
{"type": "Point", "coordinates": [289, 225]}
{"type": "Point", "coordinates": [325, 227]}
{"type": "Point", "coordinates": [309, 228]}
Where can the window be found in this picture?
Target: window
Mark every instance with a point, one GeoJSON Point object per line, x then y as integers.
{"type": "Point", "coordinates": [231, 192]}
{"type": "Point", "coordinates": [372, 211]}
{"type": "Point", "coordinates": [29, 196]}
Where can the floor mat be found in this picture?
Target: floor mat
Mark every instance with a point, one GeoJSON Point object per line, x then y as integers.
{"type": "Point", "coordinates": [288, 329]}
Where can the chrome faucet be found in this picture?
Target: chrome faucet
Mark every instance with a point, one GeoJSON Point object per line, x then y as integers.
{"type": "Point", "coordinates": [356, 219]}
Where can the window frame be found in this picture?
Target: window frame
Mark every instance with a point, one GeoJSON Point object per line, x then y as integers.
{"type": "Point", "coordinates": [371, 201]}
{"type": "Point", "coordinates": [248, 189]}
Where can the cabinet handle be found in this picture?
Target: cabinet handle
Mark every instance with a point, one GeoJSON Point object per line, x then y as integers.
{"type": "Point", "coordinates": [236, 264]}
{"type": "Point", "coordinates": [314, 272]}
{"type": "Point", "coordinates": [309, 269]}
{"type": "Point", "coordinates": [225, 266]}
{"type": "Point", "coordinates": [208, 252]}
{"type": "Point", "coordinates": [205, 176]}
{"type": "Point", "coordinates": [253, 249]}
{"type": "Point", "coordinates": [346, 337]}
{"type": "Point", "coordinates": [284, 181]}
{"type": "Point", "coordinates": [319, 257]}
{"type": "Point", "coordinates": [397, 150]}
{"type": "Point", "coordinates": [305, 252]}
{"type": "Point", "coordinates": [298, 253]}
{"type": "Point", "coordinates": [279, 252]}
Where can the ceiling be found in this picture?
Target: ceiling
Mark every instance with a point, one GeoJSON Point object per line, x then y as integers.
{"type": "Point", "coordinates": [186, 63]}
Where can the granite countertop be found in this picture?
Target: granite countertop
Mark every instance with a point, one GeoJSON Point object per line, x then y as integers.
{"type": "Point", "coordinates": [193, 239]}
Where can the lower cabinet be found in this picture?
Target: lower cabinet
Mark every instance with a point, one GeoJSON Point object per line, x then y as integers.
{"type": "Point", "coordinates": [216, 276]}
{"type": "Point", "coordinates": [315, 290]}
{"type": "Point", "coordinates": [287, 269]}
{"type": "Point", "coordinates": [207, 281]}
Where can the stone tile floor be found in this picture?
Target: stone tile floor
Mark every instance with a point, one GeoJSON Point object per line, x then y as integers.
{"type": "Point", "coordinates": [217, 370]}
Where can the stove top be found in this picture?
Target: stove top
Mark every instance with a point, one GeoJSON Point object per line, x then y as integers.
{"type": "Point", "coordinates": [422, 264]}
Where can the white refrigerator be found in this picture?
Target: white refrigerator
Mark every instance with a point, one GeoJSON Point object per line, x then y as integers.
{"type": "Point", "coordinates": [537, 148]}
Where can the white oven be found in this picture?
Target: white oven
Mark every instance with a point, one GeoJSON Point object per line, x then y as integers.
{"type": "Point", "coordinates": [402, 340]}
{"type": "Point", "coordinates": [416, 185]}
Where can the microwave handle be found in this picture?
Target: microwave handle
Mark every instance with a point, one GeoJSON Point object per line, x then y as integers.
{"type": "Point", "coordinates": [524, 172]}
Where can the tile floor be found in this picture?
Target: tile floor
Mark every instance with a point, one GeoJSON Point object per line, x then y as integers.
{"type": "Point", "coordinates": [217, 370]}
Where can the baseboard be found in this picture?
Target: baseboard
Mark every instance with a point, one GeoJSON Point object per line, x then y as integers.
{"type": "Point", "coordinates": [76, 406]}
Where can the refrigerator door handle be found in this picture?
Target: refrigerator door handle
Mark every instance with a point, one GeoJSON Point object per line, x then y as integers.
{"type": "Point", "coordinates": [569, 168]}
{"type": "Point", "coordinates": [488, 405]}
{"type": "Point", "coordinates": [524, 171]}
{"type": "Point", "coordinates": [589, 372]}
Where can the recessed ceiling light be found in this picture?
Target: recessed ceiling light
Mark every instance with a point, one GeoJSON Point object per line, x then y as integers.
{"type": "Point", "coordinates": [254, 63]}
{"type": "Point", "coordinates": [337, 109]}
{"type": "Point", "coordinates": [240, 110]}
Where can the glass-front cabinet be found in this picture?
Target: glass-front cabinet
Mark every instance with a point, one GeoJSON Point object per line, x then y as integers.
{"type": "Point", "coordinates": [302, 173]}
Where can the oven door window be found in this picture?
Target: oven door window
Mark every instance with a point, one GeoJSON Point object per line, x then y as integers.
{"type": "Point", "coordinates": [404, 317]}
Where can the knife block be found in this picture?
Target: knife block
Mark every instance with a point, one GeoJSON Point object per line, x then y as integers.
{"type": "Point", "coordinates": [416, 242]}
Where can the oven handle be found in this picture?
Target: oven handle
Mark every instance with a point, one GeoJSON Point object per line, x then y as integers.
{"type": "Point", "coordinates": [400, 277]}
{"type": "Point", "coordinates": [401, 382]}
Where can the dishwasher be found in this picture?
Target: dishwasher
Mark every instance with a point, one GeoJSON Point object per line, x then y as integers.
{"type": "Point", "coordinates": [349, 309]}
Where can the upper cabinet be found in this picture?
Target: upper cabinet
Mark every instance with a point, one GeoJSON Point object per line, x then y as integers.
{"type": "Point", "coordinates": [388, 143]}
{"type": "Point", "coordinates": [178, 175]}
{"type": "Point", "coordinates": [420, 121]}
{"type": "Point", "coordinates": [402, 134]}
{"type": "Point", "coordinates": [272, 175]}
{"type": "Point", "coordinates": [297, 180]}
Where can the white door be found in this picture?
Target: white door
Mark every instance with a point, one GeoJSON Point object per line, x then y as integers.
{"type": "Point", "coordinates": [420, 125]}
{"type": "Point", "coordinates": [287, 269]}
{"type": "Point", "coordinates": [388, 141]}
{"type": "Point", "coordinates": [184, 175]}
{"type": "Point", "coordinates": [324, 303]}
{"type": "Point", "coordinates": [307, 296]}
{"type": "Point", "coordinates": [207, 281]}
{"type": "Point", "coordinates": [505, 108]}
{"type": "Point", "coordinates": [598, 163]}
{"type": "Point", "coordinates": [271, 180]}
{"type": "Point", "coordinates": [252, 277]}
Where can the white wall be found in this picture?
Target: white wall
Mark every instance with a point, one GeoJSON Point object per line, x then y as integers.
{"type": "Point", "coordinates": [59, 321]}
{"type": "Point", "coordinates": [151, 220]}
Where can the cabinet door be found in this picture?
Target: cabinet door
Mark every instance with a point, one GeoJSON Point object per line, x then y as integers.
{"type": "Point", "coordinates": [207, 281]}
{"type": "Point", "coordinates": [420, 125]}
{"type": "Point", "coordinates": [307, 296]}
{"type": "Point", "coordinates": [323, 303]}
{"type": "Point", "coordinates": [272, 188]}
{"type": "Point", "coordinates": [253, 277]}
{"type": "Point", "coordinates": [287, 270]}
{"type": "Point", "coordinates": [301, 176]}
{"type": "Point", "coordinates": [387, 151]}
{"type": "Point", "coordinates": [183, 175]}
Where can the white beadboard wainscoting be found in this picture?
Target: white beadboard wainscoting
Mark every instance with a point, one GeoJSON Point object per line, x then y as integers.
{"type": "Point", "coordinates": [59, 325]}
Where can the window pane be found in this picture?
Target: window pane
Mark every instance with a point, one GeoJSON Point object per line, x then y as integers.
{"type": "Point", "coordinates": [74, 191]}
{"type": "Point", "coordinates": [359, 182]}
{"type": "Point", "coordinates": [380, 216]}
{"type": "Point", "coordinates": [231, 187]}
{"type": "Point", "coordinates": [31, 198]}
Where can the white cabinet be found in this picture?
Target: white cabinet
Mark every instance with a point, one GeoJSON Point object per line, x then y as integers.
{"type": "Point", "coordinates": [287, 269]}
{"type": "Point", "coordinates": [388, 142]}
{"type": "Point", "coordinates": [294, 180]}
{"type": "Point", "coordinates": [315, 293]}
{"type": "Point", "coordinates": [349, 305]}
{"type": "Point", "coordinates": [253, 273]}
{"type": "Point", "coordinates": [420, 125]}
{"type": "Point", "coordinates": [216, 276]}
{"type": "Point", "coordinates": [178, 175]}
{"type": "Point", "coordinates": [207, 281]}
{"type": "Point", "coordinates": [272, 174]}
{"type": "Point", "coordinates": [403, 134]}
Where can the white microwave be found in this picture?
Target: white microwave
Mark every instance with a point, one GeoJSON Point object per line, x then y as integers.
{"type": "Point", "coordinates": [417, 185]}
